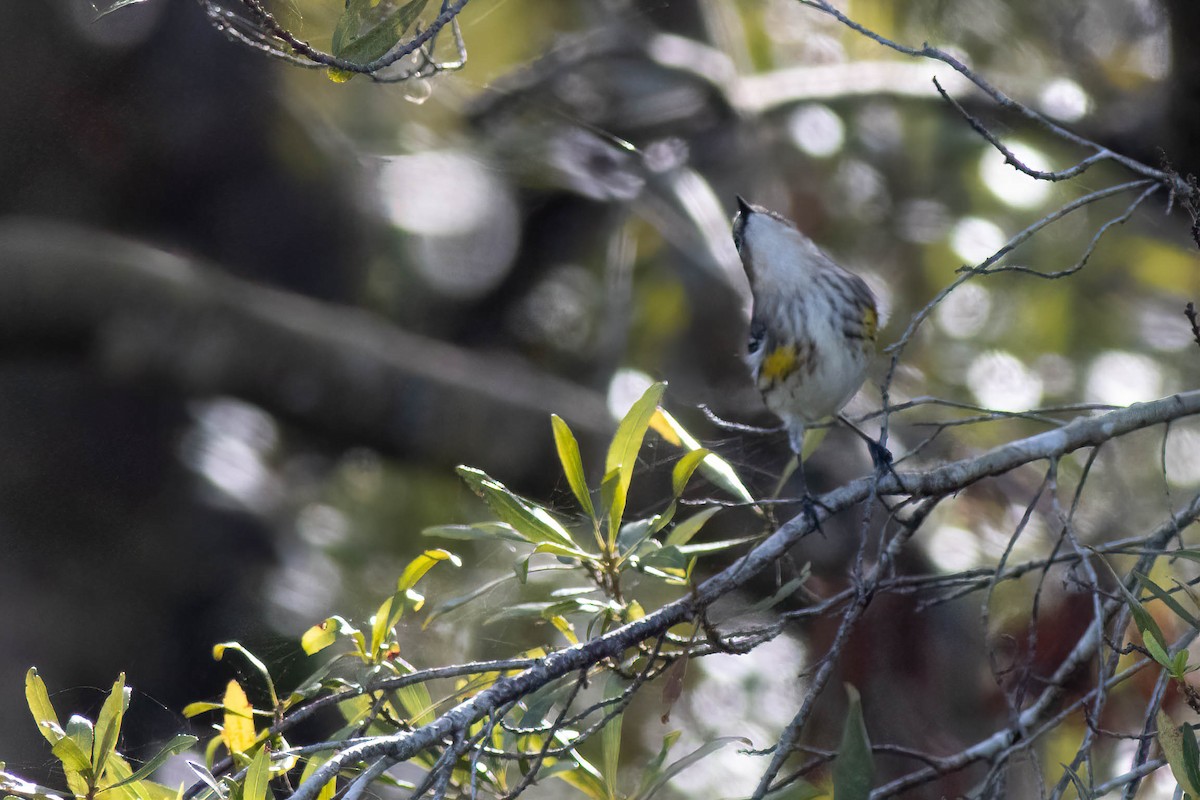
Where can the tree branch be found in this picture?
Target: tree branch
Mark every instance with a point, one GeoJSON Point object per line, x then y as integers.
{"type": "Point", "coordinates": [140, 312]}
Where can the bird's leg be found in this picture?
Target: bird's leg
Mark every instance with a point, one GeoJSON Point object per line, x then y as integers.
{"type": "Point", "coordinates": [881, 457]}
{"type": "Point", "coordinates": [808, 503]}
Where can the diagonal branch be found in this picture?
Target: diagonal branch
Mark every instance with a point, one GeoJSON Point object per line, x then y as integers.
{"type": "Point", "coordinates": [941, 480]}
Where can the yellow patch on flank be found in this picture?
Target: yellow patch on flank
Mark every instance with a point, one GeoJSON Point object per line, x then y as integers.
{"type": "Point", "coordinates": [870, 323]}
{"type": "Point", "coordinates": [779, 363]}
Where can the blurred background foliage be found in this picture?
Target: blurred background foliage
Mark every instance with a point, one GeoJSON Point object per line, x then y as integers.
{"type": "Point", "coordinates": [560, 203]}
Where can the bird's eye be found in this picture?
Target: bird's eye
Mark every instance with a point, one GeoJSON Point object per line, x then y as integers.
{"type": "Point", "coordinates": [739, 230]}
{"type": "Point", "coordinates": [758, 332]}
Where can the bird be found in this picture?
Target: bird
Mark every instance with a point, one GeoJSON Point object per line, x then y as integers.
{"type": "Point", "coordinates": [813, 324]}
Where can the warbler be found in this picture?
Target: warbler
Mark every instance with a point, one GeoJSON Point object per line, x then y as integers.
{"type": "Point", "coordinates": [813, 325]}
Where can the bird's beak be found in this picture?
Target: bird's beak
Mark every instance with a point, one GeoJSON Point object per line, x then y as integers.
{"type": "Point", "coordinates": [744, 208]}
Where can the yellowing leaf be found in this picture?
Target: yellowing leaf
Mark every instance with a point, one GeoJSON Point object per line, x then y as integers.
{"type": "Point", "coordinates": [239, 719]}
{"type": "Point", "coordinates": [417, 568]}
{"type": "Point", "coordinates": [318, 637]}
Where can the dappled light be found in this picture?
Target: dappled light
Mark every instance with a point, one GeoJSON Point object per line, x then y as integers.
{"type": "Point", "coordinates": [627, 401]}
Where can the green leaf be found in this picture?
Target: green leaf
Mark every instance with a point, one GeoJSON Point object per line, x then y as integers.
{"type": "Point", "coordinates": [417, 702]}
{"type": "Point", "coordinates": [691, 758]}
{"type": "Point", "coordinates": [572, 464]}
{"type": "Point", "coordinates": [196, 709]}
{"type": "Point", "coordinates": [653, 770]}
{"type": "Point", "coordinates": [634, 533]}
{"type": "Point", "coordinates": [330, 786]}
{"type": "Point", "coordinates": [1167, 599]}
{"type": "Point", "coordinates": [259, 666]}
{"type": "Point", "coordinates": [584, 777]}
{"type": "Point", "coordinates": [476, 532]}
{"type": "Point", "coordinates": [707, 548]}
{"type": "Point", "coordinates": [623, 453]}
{"type": "Point", "coordinates": [1156, 649]}
{"type": "Point", "coordinates": [684, 468]}
{"type": "Point", "coordinates": [79, 730]}
{"type": "Point", "coordinates": [1081, 788]}
{"type": "Point", "coordinates": [785, 591]}
{"type": "Point", "coordinates": [179, 743]}
{"type": "Point", "coordinates": [521, 611]}
{"type": "Point", "coordinates": [1190, 555]}
{"type": "Point", "coordinates": [368, 29]}
{"type": "Point", "coordinates": [74, 759]}
{"type": "Point", "coordinates": [1191, 756]}
{"type": "Point", "coordinates": [666, 562]}
{"type": "Point", "coordinates": [206, 777]}
{"type": "Point", "coordinates": [1141, 617]}
{"type": "Point", "coordinates": [108, 723]}
{"type": "Point", "coordinates": [563, 552]}
{"type": "Point", "coordinates": [393, 608]}
{"type": "Point", "coordinates": [258, 776]}
{"type": "Point", "coordinates": [715, 468]}
{"type": "Point", "coordinates": [854, 769]}
{"type": "Point", "coordinates": [610, 741]}
{"type": "Point", "coordinates": [683, 532]}
{"type": "Point", "coordinates": [1171, 738]}
{"type": "Point", "coordinates": [40, 706]}
{"type": "Point", "coordinates": [529, 519]}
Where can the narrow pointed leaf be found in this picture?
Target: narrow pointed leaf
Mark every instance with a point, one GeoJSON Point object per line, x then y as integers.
{"type": "Point", "coordinates": [73, 758]}
{"type": "Point", "coordinates": [715, 468]}
{"type": "Point", "coordinates": [854, 769]}
{"type": "Point", "coordinates": [420, 565]}
{"type": "Point", "coordinates": [1171, 740]}
{"type": "Point", "coordinates": [527, 518]}
{"type": "Point", "coordinates": [624, 449]}
{"type": "Point", "coordinates": [330, 786]}
{"type": "Point", "coordinates": [1168, 600]}
{"type": "Point", "coordinates": [691, 758]}
{"type": "Point", "coordinates": [108, 723]}
{"type": "Point", "coordinates": [610, 740]}
{"type": "Point", "coordinates": [393, 608]}
{"type": "Point", "coordinates": [572, 463]}
{"type": "Point", "coordinates": [40, 706]}
{"type": "Point", "coordinates": [477, 532]}
{"type": "Point", "coordinates": [258, 776]}
{"type": "Point", "coordinates": [259, 666]}
{"type": "Point", "coordinates": [367, 30]}
{"type": "Point", "coordinates": [179, 743]}
{"type": "Point", "coordinates": [196, 709]}
{"type": "Point", "coordinates": [684, 468]}
{"type": "Point", "coordinates": [785, 591]}
{"type": "Point", "coordinates": [206, 777]}
{"type": "Point", "coordinates": [683, 532]}
{"type": "Point", "coordinates": [1156, 649]}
